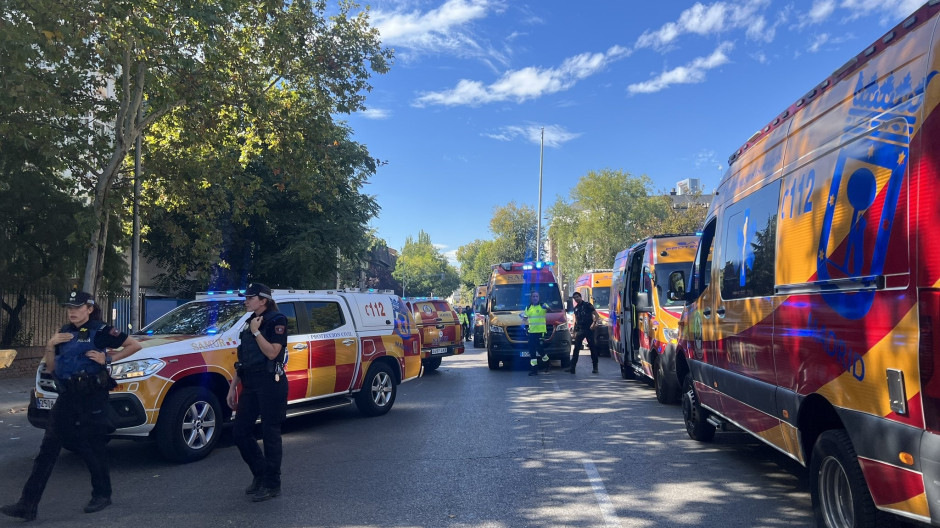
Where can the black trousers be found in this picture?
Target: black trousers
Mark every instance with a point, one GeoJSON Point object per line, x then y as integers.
{"type": "Point", "coordinates": [81, 421]}
{"type": "Point", "coordinates": [578, 339]}
{"type": "Point", "coordinates": [261, 396]}
{"type": "Point", "coordinates": [536, 351]}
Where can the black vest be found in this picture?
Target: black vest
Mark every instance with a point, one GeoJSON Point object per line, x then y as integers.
{"type": "Point", "coordinates": [249, 353]}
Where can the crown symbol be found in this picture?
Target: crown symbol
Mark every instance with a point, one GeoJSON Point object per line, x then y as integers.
{"type": "Point", "coordinates": [874, 105]}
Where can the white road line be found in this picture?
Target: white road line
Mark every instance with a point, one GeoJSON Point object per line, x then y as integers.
{"type": "Point", "coordinates": [600, 493]}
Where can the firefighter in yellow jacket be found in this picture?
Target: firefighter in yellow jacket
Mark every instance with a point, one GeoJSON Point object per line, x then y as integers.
{"type": "Point", "coordinates": [534, 315]}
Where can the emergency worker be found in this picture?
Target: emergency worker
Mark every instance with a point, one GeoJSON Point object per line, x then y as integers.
{"type": "Point", "coordinates": [534, 315]}
{"type": "Point", "coordinates": [260, 371]}
{"type": "Point", "coordinates": [469, 311]}
{"type": "Point", "coordinates": [78, 356]}
{"type": "Point", "coordinates": [464, 321]}
{"type": "Point", "coordinates": [585, 320]}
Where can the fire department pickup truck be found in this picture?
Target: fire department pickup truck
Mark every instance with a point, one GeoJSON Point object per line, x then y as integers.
{"type": "Point", "coordinates": [343, 347]}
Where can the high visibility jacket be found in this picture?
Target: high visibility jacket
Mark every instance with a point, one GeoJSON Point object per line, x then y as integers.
{"type": "Point", "coordinates": [535, 314]}
{"type": "Point", "coordinates": [462, 317]}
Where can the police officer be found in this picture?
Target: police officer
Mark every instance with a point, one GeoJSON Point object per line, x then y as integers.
{"type": "Point", "coordinates": [77, 356]}
{"type": "Point", "coordinates": [534, 314]}
{"type": "Point", "coordinates": [260, 370]}
{"type": "Point", "coordinates": [464, 322]}
{"type": "Point", "coordinates": [585, 320]}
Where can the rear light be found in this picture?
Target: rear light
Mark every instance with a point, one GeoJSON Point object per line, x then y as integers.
{"type": "Point", "coordinates": [930, 358]}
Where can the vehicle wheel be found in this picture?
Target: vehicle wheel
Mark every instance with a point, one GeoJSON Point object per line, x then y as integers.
{"type": "Point", "coordinates": [837, 486]}
{"type": "Point", "coordinates": [478, 341]}
{"type": "Point", "coordinates": [189, 424]}
{"type": "Point", "coordinates": [378, 391]}
{"type": "Point", "coordinates": [492, 362]}
{"type": "Point", "coordinates": [626, 371]}
{"type": "Point", "coordinates": [663, 394]}
{"type": "Point", "coordinates": [566, 361]}
{"type": "Point", "coordinates": [432, 363]}
{"type": "Point", "coordinates": [695, 417]}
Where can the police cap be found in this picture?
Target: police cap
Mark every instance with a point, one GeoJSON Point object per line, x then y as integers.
{"type": "Point", "coordinates": [256, 289]}
{"type": "Point", "coordinates": [78, 298]}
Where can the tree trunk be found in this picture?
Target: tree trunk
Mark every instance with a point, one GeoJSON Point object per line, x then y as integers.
{"type": "Point", "coordinates": [13, 325]}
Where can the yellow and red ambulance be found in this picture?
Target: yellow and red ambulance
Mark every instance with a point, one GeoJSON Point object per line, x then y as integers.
{"type": "Point", "coordinates": [440, 330]}
{"type": "Point", "coordinates": [342, 347]}
{"type": "Point", "coordinates": [646, 319]}
{"type": "Point", "coordinates": [508, 293]}
{"type": "Point", "coordinates": [813, 320]}
{"type": "Point", "coordinates": [594, 287]}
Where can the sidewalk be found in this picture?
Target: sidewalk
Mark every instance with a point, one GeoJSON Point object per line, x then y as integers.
{"type": "Point", "coordinates": [14, 393]}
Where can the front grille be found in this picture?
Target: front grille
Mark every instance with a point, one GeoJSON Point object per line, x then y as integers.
{"type": "Point", "coordinates": [521, 334]}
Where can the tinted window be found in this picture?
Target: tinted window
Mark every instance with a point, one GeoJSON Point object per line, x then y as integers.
{"type": "Point", "coordinates": [702, 266]}
{"type": "Point", "coordinates": [507, 297]}
{"type": "Point", "coordinates": [324, 316]}
{"type": "Point", "coordinates": [288, 310]}
{"type": "Point", "coordinates": [198, 318]}
{"type": "Point", "coordinates": [662, 272]}
{"type": "Point", "coordinates": [601, 296]}
{"type": "Point", "coordinates": [747, 249]}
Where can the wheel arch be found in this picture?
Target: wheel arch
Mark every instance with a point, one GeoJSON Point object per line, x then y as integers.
{"type": "Point", "coordinates": [815, 416]}
{"type": "Point", "coordinates": [213, 381]}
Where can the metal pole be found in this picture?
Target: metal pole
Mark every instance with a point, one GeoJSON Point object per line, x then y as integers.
{"type": "Point", "coordinates": [135, 241]}
{"type": "Point", "coordinates": [538, 229]}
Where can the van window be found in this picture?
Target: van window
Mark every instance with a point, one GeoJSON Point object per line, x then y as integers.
{"type": "Point", "coordinates": [288, 310]}
{"type": "Point", "coordinates": [601, 296]}
{"type": "Point", "coordinates": [324, 316]}
{"type": "Point", "coordinates": [702, 267]}
{"type": "Point", "coordinates": [748, 245]}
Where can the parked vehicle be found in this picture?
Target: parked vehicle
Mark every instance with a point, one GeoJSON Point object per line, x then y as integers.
{"type": "Point", "coordinates": [508, 292]}
{"type": "Point", "coordinates": [594, 287]}
{"type": "Point", "coordinates": [342, 347]}
{"type": "Point", "coordinates": [479, 318]}
{"type": "Point", "coordinates": [814, 315]}
{"type": "Point", "coordinates": [646, 320]}
{"type": "Point", "coordinates": [440, 331]}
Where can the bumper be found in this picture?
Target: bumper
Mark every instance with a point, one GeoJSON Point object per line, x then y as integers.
{"type": "Point", "coordinates": [499, 347]}
{"type": "Point", "coordinates": [124, 411]}
{"type": "Point", "coordinates": [441, 351]}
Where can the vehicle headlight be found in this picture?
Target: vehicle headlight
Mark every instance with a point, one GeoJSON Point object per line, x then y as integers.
{"type": "Point", "coordinates": [561, 327]}
{"type": "Point", "coordinates": [135, 369]}
{"type": "Point", "coordinates": [496, 329]}
{"type": "Point", "coordinates": [671, 333]}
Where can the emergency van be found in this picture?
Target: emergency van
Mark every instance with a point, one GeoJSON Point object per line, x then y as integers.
{"type": "Point", "coordinates": [479, 319]}
{"type": "Point", "coordinates": [594, 287]}
{"type": "Point", "coordinates": [342, 347]}
{"type": "Point", "coordinates": [813, 320]}
{"type": "Point", "coordinates": [439, 328]}
{"type": "Point", "coordinates": [646, 328]}
{"type": "Point", "coordinates": [508, 292]}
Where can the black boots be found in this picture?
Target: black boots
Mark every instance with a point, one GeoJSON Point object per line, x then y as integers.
{"type": "Point", "coordinates": [255, 486]}
{"type": "Point", "coordinates": [96, 504]}
{"type": "Point", "coordinates": [19, 510]}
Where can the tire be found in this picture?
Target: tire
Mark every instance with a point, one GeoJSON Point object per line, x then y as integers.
{"type": "Point", "coordinates": [663, 394]}
{"type": "Point", "coordinates": [378, 391]}
{"type": "Point", "coordinates": [432, 363]}
{"type": "Point", "coordinates": [189, 425]}
{"type": "Point", "coordinates": [837, 486]}
{"type": "Point", "coordinates": [492, 362]}
{"type": "Point", "coordinates": [626, 371]}
{"type": "Point", "coordinates": [695, 417]}
{"type": "Point", "coordinates": [478, 340]}
{"type": "Point", "coordinates": [566, 361]}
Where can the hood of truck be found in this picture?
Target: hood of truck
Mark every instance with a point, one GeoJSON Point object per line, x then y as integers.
{"type": "Point", "coordinates": [513, 319]}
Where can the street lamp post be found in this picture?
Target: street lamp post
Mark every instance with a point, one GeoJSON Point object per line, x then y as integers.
{"type": "Point", "coordinates": [538, 229]}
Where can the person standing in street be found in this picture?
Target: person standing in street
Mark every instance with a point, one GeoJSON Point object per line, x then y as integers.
{"type": "Point", "coordinates": [534, 315]}
{"type": "Point", "coordinates": [585, 320]}
{"type": "Point", "coordinates": [78, 357]}
{"type": "Point", "coordinates": [469, 311]}
{"type": "Point", "coordinates": [464, 321]}
{"type": "Point", "coordinates": [260, 371]}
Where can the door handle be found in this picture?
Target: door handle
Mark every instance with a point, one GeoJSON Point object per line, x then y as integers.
{"type": "Point", "coordinates": [440, 325]}
{"type": "Point", "coordinates": [348, 342]}
{"type": "Point", "coordinates": [707, 312]}
{"type": "Point", "coordinates": [721, 312]}
{"type": "Point", "coordinates": [299, 346]}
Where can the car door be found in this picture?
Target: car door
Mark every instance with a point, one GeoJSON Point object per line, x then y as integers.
{"type": "Point", "coordinates": [297, 367]}
{"type": "Point", "coordinates": [333, 347]}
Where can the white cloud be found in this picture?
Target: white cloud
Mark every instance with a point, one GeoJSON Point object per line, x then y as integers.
{"type": "Point", "coordinates": [526, 83]}
{"type": "Point", "coordinates": [708, 159]}
{"type": "Point", "coordinates": [821, 10]}
{"type": "Point", "coordinates": [711, 19]}
{"type": "Point", "coordinates": [691, 73]}
{"type": "Point", "coordinates": [451, 256]}
{"type": "Point", "coordinates": [888, 8]}
{"type": "Point", "coordinates": [376, 113]}
{"type": "Point", "coordinates": [555, 135]}
{"type": "Point", "coordinates": [818, 43]}
{"type": "Point", "coordinates": [444, 29]}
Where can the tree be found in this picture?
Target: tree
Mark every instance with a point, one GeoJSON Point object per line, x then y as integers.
{"type": "Point", "coordinates": [423, 270]}
{"type": "Point", "coordinates": [200, 59]}
{"type": "Point", "coordinates": [513, 228]}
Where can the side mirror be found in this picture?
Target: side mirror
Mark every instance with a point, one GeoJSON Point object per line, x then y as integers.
{"type": "Point", "coordinates": [569, 305]}
{"type": "Point", "coordinates": [643, 303]}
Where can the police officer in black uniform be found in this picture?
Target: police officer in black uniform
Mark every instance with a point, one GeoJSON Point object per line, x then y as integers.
{"type": "Point", "coordinates": [260, 370]}
{"type": "Point", "coordinates": [585, 318]}
{"type": "Point", "coordinates": [78, 356]}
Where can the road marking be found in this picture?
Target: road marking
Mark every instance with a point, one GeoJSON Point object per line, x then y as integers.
{"type": "Point", "coordinates": [555, 384]}
{"type": "Point", "coordinates": [600, 493]}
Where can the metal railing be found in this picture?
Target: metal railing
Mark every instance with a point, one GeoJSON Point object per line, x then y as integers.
{"type": "Point", "coordinates": [31, 318]}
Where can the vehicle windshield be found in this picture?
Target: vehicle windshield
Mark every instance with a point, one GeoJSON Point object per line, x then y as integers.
{"type": "Point", "coordinates": [662, 282]}
{"type": "Point", "coordinates": [515, 297]}
{"type": "Point", "coordinates": [479, 304]}
{"type": "Point", "coordinates": [601, 296]}
{"type": "Point", "coordinates": [198, 318]}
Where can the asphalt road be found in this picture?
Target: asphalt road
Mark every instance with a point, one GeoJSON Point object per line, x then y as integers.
{"type": "Point", "coordinates": [462, 447]}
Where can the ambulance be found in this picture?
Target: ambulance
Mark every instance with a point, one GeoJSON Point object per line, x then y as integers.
{"type": "Point", "coordinates": [594, 287]}
{"type": "Point", "coordinates": [440, 330]}
{"type": "Point", "coordinates": [647, 320]}
{"type": "Point", "coordinates": [508, 292]}
{"type": "Point", "coordinates": [479, 319]}
{"type": "Point", "coordinates": [343, 346]}
{"type": "Point", "coordinates": [813, 320]}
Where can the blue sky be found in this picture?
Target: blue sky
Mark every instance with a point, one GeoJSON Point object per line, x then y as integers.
{"type": "Point", "coordinates": [668, 89]}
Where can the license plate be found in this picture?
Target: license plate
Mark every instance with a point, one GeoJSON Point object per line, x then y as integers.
{"type": "Point", "coordinates": [524, 354]}
{"type": "Point", "coordinates": [435, 351]}
{"type": "Point", "coordinates": [44, 403]}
